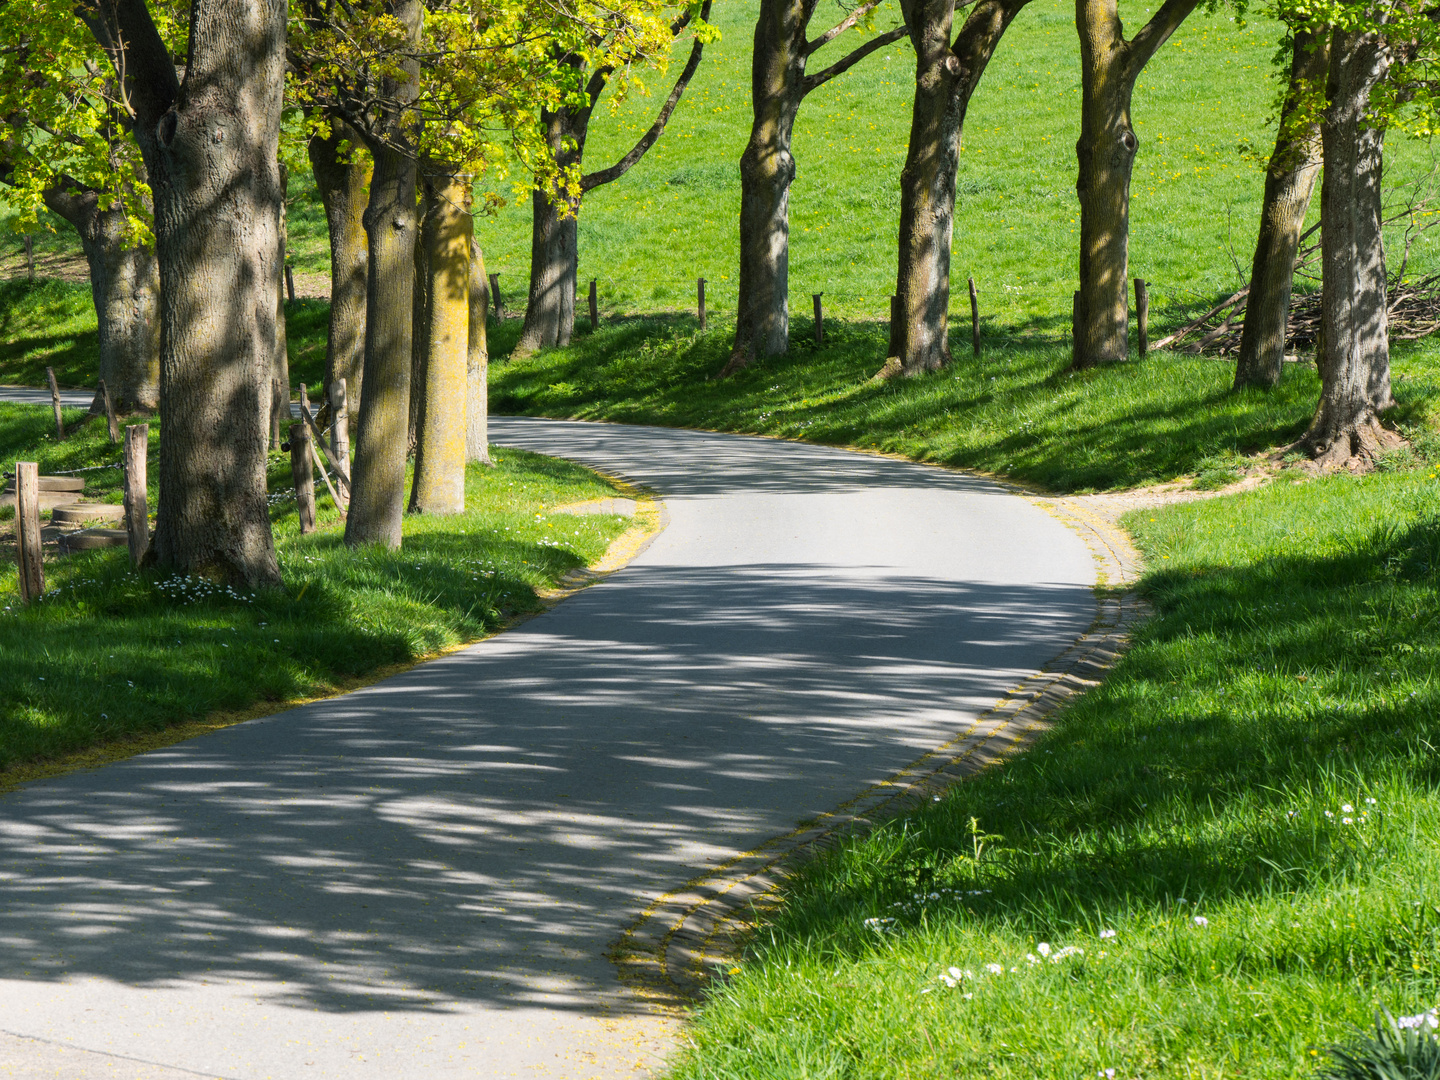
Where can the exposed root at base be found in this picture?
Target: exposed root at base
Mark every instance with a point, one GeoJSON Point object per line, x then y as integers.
{"type": "Point", "coordinates": [1355, 448]}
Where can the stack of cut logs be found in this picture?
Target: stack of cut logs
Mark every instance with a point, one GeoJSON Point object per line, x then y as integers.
{"type": "Point", "coordinates": [75, 525]}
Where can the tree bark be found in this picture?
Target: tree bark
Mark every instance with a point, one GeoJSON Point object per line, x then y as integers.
{"type": "Point", "coordinates": [477, 363]}
{"type": "Point", "coordinates": [945, 79]}
{"type": "Point", "coordinates": [211, 150]}
{"type": "Point", "coordinates": [377, 494]}
{"type": "Point", "coordinates": [125, 286]}
{"type": "Point", "coordinates": [1289, 182]}
{"type": "Point", "coordinates": [1355, 350]}
{"type": "Point", "coordinates": [419, 336]}
{"type": "Point", "coordinates": [280, 377]}
{"type": "Point", "coordinates": [343, 185]}
{"type": "Point", "coordinates": [778, 85]}
{"type": "Point", "coordinates": [1109, 66]}
{"type": "Point", "coordinates": [440, 464]}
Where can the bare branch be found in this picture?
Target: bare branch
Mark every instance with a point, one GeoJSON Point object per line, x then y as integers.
{"type": "Point", "coordinates": [840, 27]}
{"type": "Point", "coordinates": [820, 78]}
{"type": "Point", "coordinates": [604, 176]}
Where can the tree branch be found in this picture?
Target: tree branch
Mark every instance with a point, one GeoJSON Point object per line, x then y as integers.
{"type": "Point", "coordinates": [144, 66]}
{"type": "Point", "coordinates": [621, 167]}
{"type": "Point", "coordinates": [1156, 32]}
{"type": "Point", "coordinates": [840, 27]}
{"type": "Point", "coordinates": [820, 78]}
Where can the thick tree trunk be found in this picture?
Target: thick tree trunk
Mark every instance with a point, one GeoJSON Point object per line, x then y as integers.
{"type": "Point", "coordinates": [440, 465]}
{"type": "Point", "coordinates": [945, 80]}
{"type": "Point", "coordinates": [767, 169]}
{"type": "Point", "coordinates": [1289, 182]}
{"type": "Point", "coordinates": [212, 160]}
{"type": "Point", "coordinates": [125, 286]}
{"type": "Point", "coordinates": [280, 377]}
{"type": "Point", "coordinates": [554, 243]}
{"type": "Point", "coordinates": [477, 363]}
{"type": "Point", "coordinates": [377, 494]}
{"type": "Point", "coordinates": [419, 338]}
{"type": "Point", "coordinates": [1109, 66]}
{"type": "Point", "coordinates": [343, 185]}
{"type": "Point", "coordinates": [1355, 359]}
{"type": "Point", "coordinates": [377, 497]}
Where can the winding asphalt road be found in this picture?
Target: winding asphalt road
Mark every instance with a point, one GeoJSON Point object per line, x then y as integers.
{"type": "Point", "coordinates": [421, 879]}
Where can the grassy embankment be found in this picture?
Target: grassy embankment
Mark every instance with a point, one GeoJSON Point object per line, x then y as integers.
{"type": "Point", "coordinates": [119, 659]}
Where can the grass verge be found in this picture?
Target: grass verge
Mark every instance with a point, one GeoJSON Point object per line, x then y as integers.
{"type": "Point", "coordinates": [1221, 862]}
{"type": "Point", "coordinates": [110, 655]}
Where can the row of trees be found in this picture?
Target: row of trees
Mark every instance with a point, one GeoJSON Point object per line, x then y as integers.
{"type": "Point", "coordinates": [145, 124]}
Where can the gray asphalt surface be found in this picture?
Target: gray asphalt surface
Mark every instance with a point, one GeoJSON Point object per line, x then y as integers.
{"type": "Point", "coordinates": [420, 879]}
{"type": "Point", "coordinates": [32, 395]}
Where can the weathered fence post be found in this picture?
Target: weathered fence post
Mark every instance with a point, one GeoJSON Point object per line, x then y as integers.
{"type": "Point", "coordinates": [55, 402]}
{"type": "Point", "coordinates": [495, 292]}
{"type": "Point", "coordinates": [302, 469]}
{"type": "Point", "coordinates": [110, 425]}
{"type": "Point", "coordinates": [27, 531]}
{"type": "Point", "coordinates": [974, 317]}
{"type": "Point", "coordinates": [700, 299]}
{"type": "Point", "coordinates": [137, 505]}
{"type": "Point", "coordinates": [594, 308]}
{"type": "Point", "coordinates": [819, 320]}
{"type": "Point", "coordinates": [290, 282]}
{"type": "Point", "coordinates": [339, 423]}
{"type": "Point", "coordinates": [1142, 315]}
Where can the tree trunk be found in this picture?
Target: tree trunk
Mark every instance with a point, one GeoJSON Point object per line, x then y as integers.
{"type": "Point", "coordinates": [419, 336]}
{"type": "Point", "coordinates": [1355, 357]}
{"type": "Point", "coordinates": [477, 364]}
{"type": "Point", "coordinates": [1109, 66]}
{"type": "Point", "coordinates": [1289, 182]}
{"type": "Point", "coordinates": [554, 244]}
{"type": "Point", "coordinates": [377, 495]}
{"type": "Point", "coordinates": [125, 286]}
{"type": "Point", "coordinates": [280, 378]}
{"type": "Point", "coordinates": [440, 465]}
{"type": "Point", "coordinates": [212, 159]}
{"type": "Point", "coordinates": [343, 185]}
{"type": "Point", "coordinates": [767, 169]}
{"type": "Point", "coordinates": [945, 80]}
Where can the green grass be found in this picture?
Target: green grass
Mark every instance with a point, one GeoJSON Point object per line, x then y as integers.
{"type": "Point", "coordinates": [1194, 804]}
{"type": "Point", "coordinates": [110, 654]}
{"type": "Point", "coordinates": [49, 323]}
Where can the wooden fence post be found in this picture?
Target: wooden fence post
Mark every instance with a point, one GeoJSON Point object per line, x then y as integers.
{"type": "Point", "coordinates": [819, 321]}
{"type": "Point", "coordinates": [290, 282]}
{"type": "Point", "coordinates": [302, 469]}
{"type": "Point", "coordinates": [55, 402]}
{"type": "Point", "coordinates": [495, 292]}
{"type": "Point", "coordinates": [339, 423]}
{"type": "Point", "coordinates": [700, 300]}
{"type": "Point", "coordinates": [137, 505]}
{"type": "Point", "coordinates": [594, 308]}
{"type": "Point", "coordinates": [974, 317]}
{"type": "Point", "coordinates": [110, 425]}
{"type": "Point", "coordinates": [1142, 315]}
{"type": "Point", "coordinates": [27, 531]}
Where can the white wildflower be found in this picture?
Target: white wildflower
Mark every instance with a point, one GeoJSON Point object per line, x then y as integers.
{"type": "Point", "coordinates": [1106, 934]}
{"type": "Point", "coordinates": [1201, 920]}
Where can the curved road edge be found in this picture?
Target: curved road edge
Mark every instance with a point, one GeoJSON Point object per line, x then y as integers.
{"type": "Point", "coordinates": [671, 953]}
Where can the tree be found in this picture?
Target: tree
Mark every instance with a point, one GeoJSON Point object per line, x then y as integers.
{"type": "Point", "coordinates": [341, 167]}
{"type": "Point", "coordinates": [1354, 357]}
{"type": "Point", "coordinates": [554, 242]}
{"type": "Point", "coordinates": [1289, 182]}
{"type": "Point", "coordinates": [1109, 66]}
{"type": "Point", "coordinates": [67, 147]}
{"type": "Point", "coordinates": [946, 76]}
{"type": "Point", "coordinates": [210, 143]}
{"type": "Point", "coordinates": [477, 364]}
{"type": "Point", "coordinates": [767, 167]}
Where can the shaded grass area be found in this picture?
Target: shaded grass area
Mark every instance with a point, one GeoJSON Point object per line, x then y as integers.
{"type": "Point", "coordinates": [1238, 830]}
{"type": "Point", "coordinates": [1016, 410]}
{"type": "Point", "coordinates": [110, 654]}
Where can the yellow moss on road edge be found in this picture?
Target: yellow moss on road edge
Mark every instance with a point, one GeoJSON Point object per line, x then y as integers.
{"type": "Point", "coordinates": [650, 519]}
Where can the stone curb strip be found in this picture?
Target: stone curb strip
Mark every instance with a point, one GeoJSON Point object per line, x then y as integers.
{"type": "Point", "coordinates": [688, 936]}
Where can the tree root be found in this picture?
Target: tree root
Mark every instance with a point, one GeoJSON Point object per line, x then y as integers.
{"type": "Point", "coordinates": [1355, 448]}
